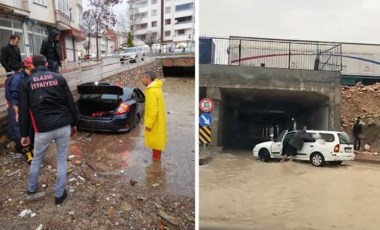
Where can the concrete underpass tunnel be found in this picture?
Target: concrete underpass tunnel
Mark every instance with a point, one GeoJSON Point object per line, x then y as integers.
{"type": "Point", "coordinates": [250, 116]}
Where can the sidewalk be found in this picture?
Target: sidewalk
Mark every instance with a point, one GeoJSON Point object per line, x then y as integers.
{"type": "Point", "coordinates": [366, 158]}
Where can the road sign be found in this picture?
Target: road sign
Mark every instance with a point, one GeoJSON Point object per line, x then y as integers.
{"type": "Point", "coordinates": [206, 105]}
{"type": "Point", "coordinates": [205, 119]}
{"type": "Point", "coordinates": [205, 134]}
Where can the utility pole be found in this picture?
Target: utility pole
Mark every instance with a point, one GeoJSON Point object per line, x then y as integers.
{"type": "Point", "coordinates": [162, 23]}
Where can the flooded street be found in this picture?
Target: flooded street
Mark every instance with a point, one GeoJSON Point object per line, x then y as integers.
{"type": "Point", "coordinates": [238, 192]}
{"type": "Point", "coordinates": [112, 182]}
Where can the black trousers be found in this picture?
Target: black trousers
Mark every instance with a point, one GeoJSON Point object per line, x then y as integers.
{"type": "Point", "coordinates": [356, 143]}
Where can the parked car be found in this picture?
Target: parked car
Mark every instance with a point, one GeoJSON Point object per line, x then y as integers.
{"type": "Point", "coordinates": [104, 106]}
{"type": "Point", "coordinates": [132, 54]}
{"type": "Point", "coordinates": [328, 146]}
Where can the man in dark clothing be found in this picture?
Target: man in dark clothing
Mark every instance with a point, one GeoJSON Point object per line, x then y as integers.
{"type": "Point", "coordinates": [47, 102]}
{"type": "Point", "coordinates": [49, 49]}
{"type": "Point", "coordinates": [357, 132]}
{"type": "Point", "coordinates": [12, 96]}
{"type": "Point", "coordinates": [11, 55]}
{"type": "Point", "coordinates": [296, 143]}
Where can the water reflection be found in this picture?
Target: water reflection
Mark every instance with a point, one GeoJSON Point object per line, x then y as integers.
{"type": "Point", "coordinates": [155, 175]}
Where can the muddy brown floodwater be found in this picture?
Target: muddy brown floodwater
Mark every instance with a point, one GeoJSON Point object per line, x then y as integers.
{"type": "Point", "coordinates": [112, 181]}
{"type": "Point", "coordinates": [238, 192]}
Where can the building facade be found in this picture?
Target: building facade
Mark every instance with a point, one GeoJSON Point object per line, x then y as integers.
{"type": "Point", "coordinates": [32, 19]}
{"type": "Point", "coordinates": [172, 20]}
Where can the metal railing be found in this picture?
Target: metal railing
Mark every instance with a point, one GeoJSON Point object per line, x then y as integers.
{"type": "Point", "coordinates": [272, 53]}
{"type": "Point", "coordinates": [85, 71]}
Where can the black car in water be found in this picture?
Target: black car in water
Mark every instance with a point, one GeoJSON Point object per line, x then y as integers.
{"type": "Point", "coordinates": [105, 106]}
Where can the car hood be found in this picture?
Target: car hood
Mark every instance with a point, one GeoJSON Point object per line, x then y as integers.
{"type": "Point", "coordinates": [266, 144]}
{"type": "Point", "coordinates": [100, 89]}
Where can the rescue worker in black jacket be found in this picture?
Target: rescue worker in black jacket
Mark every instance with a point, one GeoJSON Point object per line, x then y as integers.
{"type": "Point", "coordinates": [47, 102]}
{"type": "Point", "coordinates": [296, 143]}
{"type": "Point", "coordinates": [49, 49]}
{"type": "Point", "coordinates": [11, 55]}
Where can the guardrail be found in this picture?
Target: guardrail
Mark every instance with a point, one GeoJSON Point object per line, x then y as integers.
{"type": "Point", "coordinates": [86, 71]}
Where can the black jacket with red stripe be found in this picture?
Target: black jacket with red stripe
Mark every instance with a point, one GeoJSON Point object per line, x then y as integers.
{"type": "Point", "coordinates": [46, 102]}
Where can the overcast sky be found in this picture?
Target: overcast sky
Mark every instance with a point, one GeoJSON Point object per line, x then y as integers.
{"type": "Point", "coordinates": [325, 20]}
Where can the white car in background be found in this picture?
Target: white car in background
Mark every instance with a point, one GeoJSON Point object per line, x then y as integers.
{"type": "Point", "coordinates": [328, 146]}
{"type": "Point", "coordinates": [132, 54]}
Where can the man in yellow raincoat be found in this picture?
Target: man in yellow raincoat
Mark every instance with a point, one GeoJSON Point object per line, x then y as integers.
{"type": "Point", "coordinates": [155, 115]}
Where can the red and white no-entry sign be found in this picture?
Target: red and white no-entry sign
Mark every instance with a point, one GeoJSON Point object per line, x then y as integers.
{"type": "Point", "coordinates": [206, 105]}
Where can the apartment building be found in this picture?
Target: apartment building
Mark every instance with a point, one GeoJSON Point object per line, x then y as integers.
{"type": "Point", "coordinates": [31, 19]}
{"type": "Point", "coordinates": [175, 17]}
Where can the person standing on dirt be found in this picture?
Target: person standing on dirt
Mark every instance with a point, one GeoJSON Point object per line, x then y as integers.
{"type": "Point", "coordinates": [12, 96]}
{"type": "Point", "coordinates": [296, 143]}
{"type": "Point", "coordinates": [49, 48]}
{"type": "Point", "coordinates": [11, 55]}
{"type": "Point", "coordinates": [357, 132]}
{"type": "Point", "coordinates": [155, 115]}
{"type": "Point", "coordinates": [46, 102]}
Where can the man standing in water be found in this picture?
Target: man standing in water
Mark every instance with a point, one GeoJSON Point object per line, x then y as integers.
{"type": "Point", "coordinates": [155, 115]}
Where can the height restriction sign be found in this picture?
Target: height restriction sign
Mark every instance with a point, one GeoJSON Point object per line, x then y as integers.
{"type": "Point", "coordinates": [206, 105]}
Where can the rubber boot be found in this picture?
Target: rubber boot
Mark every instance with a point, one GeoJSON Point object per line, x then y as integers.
{"type": "Point", "coordinates": [156, 155]}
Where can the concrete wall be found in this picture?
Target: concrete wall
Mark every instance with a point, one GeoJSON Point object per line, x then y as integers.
{"type": "Point", "coordinates": [215, 78]}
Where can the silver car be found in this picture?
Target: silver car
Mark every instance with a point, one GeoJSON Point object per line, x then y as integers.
{"type": "Point", "coordinates": [132, 54]}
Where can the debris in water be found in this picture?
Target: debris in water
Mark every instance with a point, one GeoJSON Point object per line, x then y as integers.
{"type": "Point", "coordinates": [39, 227]}
{"type": "Point", "coordinates": [11, 174]}
{"type": "Point", "coordinates": [25, 212]}
{"type": "Point", "coordinates": [141, 198]}
{"type": "Point", "coordinates": [155, 185]}
{"type": "Point", "coordinates": [168, 218]}
{"type": "Point", "coordinates": [133, 182]}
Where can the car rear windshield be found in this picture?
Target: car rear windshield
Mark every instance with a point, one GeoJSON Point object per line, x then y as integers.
{"type": "Point", "coordinates": [100, 97]}
{"type": "Point", "coordinates": [344, 138]}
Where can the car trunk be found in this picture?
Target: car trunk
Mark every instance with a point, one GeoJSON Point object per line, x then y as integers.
{"type": "Point", "coordinates": [99, 102]}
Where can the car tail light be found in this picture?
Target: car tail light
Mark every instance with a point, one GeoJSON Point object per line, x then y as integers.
{"type": "Point", "coordinates": [123, 108]}
{"type": "Point", "coordinates": [336, 148]}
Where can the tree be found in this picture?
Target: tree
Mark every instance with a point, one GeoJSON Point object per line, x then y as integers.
{"type": "Point", "coordinates": [152, 37]}
{"type": "Point", "coordinates": [127, 22]}
{"type": "Point", "coordinates": [130, 40]}
{"type": "Point", "coordinates": [103, 16]}
{"type": "Point", "coordinates": [88, 27]}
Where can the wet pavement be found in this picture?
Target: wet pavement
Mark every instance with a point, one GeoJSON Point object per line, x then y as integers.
{"type": "Point", "coordinates": [125, 156]}
{"type": "Point", "coordinates": [112, 181]}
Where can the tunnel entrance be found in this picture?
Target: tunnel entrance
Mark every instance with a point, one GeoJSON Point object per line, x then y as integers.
{"type": "Point", "coordinates": [250, 116]}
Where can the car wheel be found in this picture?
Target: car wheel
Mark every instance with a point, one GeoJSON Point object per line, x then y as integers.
{"type": "Point", "coordinates": [317, 160]}
{"type": "Point", "coordinates": [264, 155]}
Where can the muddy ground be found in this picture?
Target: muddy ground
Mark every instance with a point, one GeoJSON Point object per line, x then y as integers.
{"type": "Point", "coordinates": [238, 192]}
{"type": "Point", "coordinates": [112, 181]}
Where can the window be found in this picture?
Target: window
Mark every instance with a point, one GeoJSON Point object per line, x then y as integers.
{"type": "Point", "coordinates": [183, 7]}
{"type": "Point", "coordinates": [142, 4]}
{"type": "Point", "coordinates": [167, 10]}
{"type": "Point", "coordinates": [154, 12]}
{"type": "Point", "coordinates": [184, 20]}
{"type": "Point", "coordinates": [344, 138]}
{"type": "Point", "coordinates": [167, 33]}
{"type": "Point", "coordinates": [328, 137]}
{"type": "Point", "coordinates": [154, 24]}
{"type": "Point", "coordinates": [167, 21]}
{"type": "Point", "coordinates": [154, 2]}
{"type": "Point", "coordinates": [41, 2]}
{"type": "Point", "coordinates": [63, 6]}
{"type": "Point", "coordinates": [181, 32]}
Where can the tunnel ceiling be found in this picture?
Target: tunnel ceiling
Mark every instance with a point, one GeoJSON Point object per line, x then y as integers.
{"type": "Point", "coordinates": [274, 102]}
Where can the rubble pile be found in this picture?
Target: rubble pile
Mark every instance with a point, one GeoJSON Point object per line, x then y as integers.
{"type": "Point", "coordinates": [362, 101]}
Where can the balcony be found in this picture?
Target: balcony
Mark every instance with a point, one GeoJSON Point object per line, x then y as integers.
{"type": "Point", "coordinates": [20, 7]}
{"type": "Point", "coordinates": [182, 38]}
{"type": "Point", "coordinates": [63, 20]}
{"type": "Point", "coordinates": [184, 25]}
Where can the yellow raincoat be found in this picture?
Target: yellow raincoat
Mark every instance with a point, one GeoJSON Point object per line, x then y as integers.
{"type": "Point", "coordinates": [155, 116]}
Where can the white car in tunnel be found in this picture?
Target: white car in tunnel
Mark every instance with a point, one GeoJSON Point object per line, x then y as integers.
{"type": "Point", "coordinates": [328, 146]}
